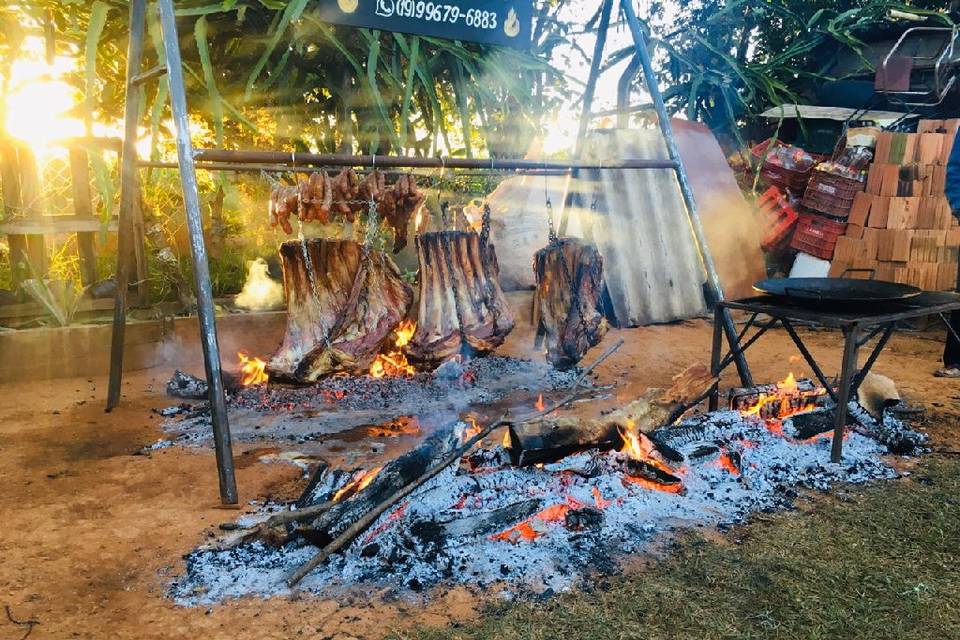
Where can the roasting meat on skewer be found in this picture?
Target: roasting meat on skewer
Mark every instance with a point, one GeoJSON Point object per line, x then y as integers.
{"type": "Point", "coordinates": [570, 319]}
{"type": "Point", "coordinates": [462, 308]}
{"type": "Point", "coordinates": [342, 324]}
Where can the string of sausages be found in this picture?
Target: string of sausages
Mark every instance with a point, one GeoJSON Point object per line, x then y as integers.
{"type": "Point", "coordinates": [321, 198]}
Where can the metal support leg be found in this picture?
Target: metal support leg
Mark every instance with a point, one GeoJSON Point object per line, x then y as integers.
{"type": "Point", "coordinates": [847, 373]}
{"type": "Point", "coordinates": [128, 192]}
{"type": "Point", "coordinates": [713, 278]}
{"type": "Point", "coordinates": [872, 358]}
{"type": "Point", "coordinates": [715, 353]}
{"type": "Point", "coordinates": [817, 371]}
{"type": "Point", "coordinates": [198, 250]}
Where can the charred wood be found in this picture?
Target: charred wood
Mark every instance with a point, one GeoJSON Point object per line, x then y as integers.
{"type": "Point", "coordinates": [390, 479]}
{"type": "Point", "coordinates": [551, 439]}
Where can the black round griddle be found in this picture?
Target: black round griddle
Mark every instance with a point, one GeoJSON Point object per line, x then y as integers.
{"type": "Point", "coordinates": [835, 291]}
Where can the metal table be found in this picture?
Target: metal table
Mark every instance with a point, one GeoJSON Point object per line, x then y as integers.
{"type": "Point", "coordinates": [859, 323]}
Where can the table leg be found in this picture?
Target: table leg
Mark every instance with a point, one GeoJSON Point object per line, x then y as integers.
{"type": "Point", "coordinates": [848, 371]}
{"type": "Point", "coordinates": [715, 354]}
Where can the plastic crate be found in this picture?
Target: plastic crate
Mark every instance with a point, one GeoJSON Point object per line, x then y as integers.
{"type": "Point", "coordinates": [780, 219]}
{"type": "Point", "coordinates": [817, 235]}
{"type": "Point", "coordinates": [775, 175]}
{"type": "Point", "coordinates": [831, 194]}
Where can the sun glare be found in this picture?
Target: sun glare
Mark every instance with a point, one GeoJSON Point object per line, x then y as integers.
{"type": "Point", "coordinates": [39, 100]}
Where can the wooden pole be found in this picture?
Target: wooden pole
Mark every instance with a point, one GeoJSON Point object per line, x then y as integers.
{"type": "Point", "coordinates": [125, 232]}
{"type": "Point", "coordinates": [198, 250]}
{"type": "Point", "coordinates": [83, 209]}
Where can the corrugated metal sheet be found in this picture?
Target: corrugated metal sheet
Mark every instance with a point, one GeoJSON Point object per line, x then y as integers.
{"type": "Point", "coordinates": [650, 261]}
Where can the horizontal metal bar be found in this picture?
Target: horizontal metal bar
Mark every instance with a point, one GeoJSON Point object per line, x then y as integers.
{"type": "Point", "coordinates": [150, 74]}
{"type": "Point", "coordinates": [333, 160]}
{"type": "Point", "coordinates": [275, 168]}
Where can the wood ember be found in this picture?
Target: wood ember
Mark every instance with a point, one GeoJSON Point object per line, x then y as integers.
{"type": "Point", "coordinates": [390, 479]}
{"type": "Point", "coordinates": [462, 307]}
{"type": "Point", "coordinates": [569, 303]}
{"type": "Point", "coordinates": [340, 312]}
{"type": "Point", "coordinates": [553, 438]}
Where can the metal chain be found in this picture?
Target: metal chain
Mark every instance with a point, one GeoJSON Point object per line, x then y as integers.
{"type": "Point", "coordinates": [485, 225]}
{"type": "Point", "coordinates": [555, 242]}
{"type": "Point", "coordinates": [311, 277]}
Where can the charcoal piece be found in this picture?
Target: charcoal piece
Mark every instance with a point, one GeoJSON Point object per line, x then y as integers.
{"type": "Point", "coordinates": [651, 472]}
{"type": "Point", "coordinates": [568, 300]}
{"type": "Point", "coordinates": [808, 425]}
{"type": "Point", "coordinates": [462, 308]}
{"type": "Point", "coordinates": [187, 386]}
{"type": "Point", "coordinates": [582, 519]}
{"type": "Point", "coordinates": [391, 478]}
{"type": "Point", "coordinates": [314, 485]}
{"type": "Point", "coordinates": [342, 305]}
{"type": "Point", "coordinates": [704, 451]}
{"type": "Point", "coordinates": [553, 439]}
{"type": "Point", "coordinates": [488, 522]}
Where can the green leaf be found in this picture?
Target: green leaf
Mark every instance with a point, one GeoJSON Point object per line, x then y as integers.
{"type": "Point", "coordinates": [216, 103]}
{"type": "Point", "coordinates": [291, 13]}
{"type": "Point", "coordinates": [98, 18]}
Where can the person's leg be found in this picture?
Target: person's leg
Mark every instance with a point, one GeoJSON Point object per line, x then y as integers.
{"type": "Point", "coordinates": [951, 352]}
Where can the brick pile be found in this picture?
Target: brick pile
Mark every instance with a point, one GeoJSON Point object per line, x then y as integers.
{"type": "Point", "coordinates": [901, 226]}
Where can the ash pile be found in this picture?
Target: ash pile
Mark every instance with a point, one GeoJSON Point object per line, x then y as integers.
{"type": "Point", "coordinates": [264, 411]}
{"type": "Point", "coordinates": [538, 506]}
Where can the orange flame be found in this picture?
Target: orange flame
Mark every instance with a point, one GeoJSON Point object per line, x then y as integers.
{"type": "Point", "coordinates": [507, 442]}
{"type": "Point", "coordinates": [724, 461]}
{"type": "Point", "coordinates": [529, 530]}
{"type": "Point", "coordinates": [471, 430]}
{"type": "Point", "coordinates": [538, 405]}
{"type": "Point", "coordinates": [788, 400]}
{"type": "Point", "coordinates": [394, 363]}
{"type": "Point", "coordinates": [639, 447]}
{"type": "Point", "coordinates": [599, 500]}
{"type": "Point", "coordinates": [252, 370]}
{"type": "Point", "coordinates": [358, 483]}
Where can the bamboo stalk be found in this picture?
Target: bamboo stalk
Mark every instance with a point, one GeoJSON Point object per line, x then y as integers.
{"type": "Point", "coordinates": [371, 516]}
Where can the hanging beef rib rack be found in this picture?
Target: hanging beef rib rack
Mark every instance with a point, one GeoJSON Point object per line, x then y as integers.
{"type": "Point", "coordinates": [343, 301]}
{"type": "Point", "coordinates": [569, 284]}
{"type": "Point", "coordinates": [462, 308]}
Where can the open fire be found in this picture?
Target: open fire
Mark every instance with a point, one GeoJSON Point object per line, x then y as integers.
{"type": "Point", "coordinates": [562, 513]}
{"type": "Point", "coordinates": [252, 370]}
{"type": "Point", "coordinates": [395, 363]}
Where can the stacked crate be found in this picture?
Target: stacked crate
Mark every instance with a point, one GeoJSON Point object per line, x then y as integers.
{"type": "Point", "coordinates": [901, 226]}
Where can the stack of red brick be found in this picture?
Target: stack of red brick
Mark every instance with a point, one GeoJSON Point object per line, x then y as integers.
{"type": "Point", "coordinates": [901, 227]}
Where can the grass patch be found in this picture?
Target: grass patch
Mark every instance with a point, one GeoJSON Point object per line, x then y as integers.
{"type": "Point", "coordinates": [878, 562]}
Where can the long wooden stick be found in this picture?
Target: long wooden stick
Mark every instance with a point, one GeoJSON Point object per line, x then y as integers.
{"type": "Point", "coordinates": [371, 516]}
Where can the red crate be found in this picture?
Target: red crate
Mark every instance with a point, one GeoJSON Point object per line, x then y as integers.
{"type": "Point", "coordinates": [774, 175]}
{"type": "Point", "coordinates": [817, 235]}
{"type": "Point", "coordinates": [779, 220]}
{"type": "Point", "coordinates": [831, 194]}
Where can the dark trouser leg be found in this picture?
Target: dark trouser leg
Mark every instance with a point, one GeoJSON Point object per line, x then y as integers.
{"type": "Point", "coordinates": [951, 353]}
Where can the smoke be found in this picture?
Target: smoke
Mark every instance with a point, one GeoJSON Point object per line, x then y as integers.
{"type": "Point", "coordinates": [260, 292]}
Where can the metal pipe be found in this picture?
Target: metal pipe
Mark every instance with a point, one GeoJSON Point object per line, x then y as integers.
{"type": "Point", "coordinates": [341, 160]}
{"type": "Point", "coordinates": [276, 168]}
{"type": "Point", "coordinates": [146, 76]}
{"type": "Point", "coordinates": [128, 194]}
{"type": "Point", "coordinates": [713, 278]}
{"type": "Point", "coordinates": [847, 371]}
{"type": "Point", "coordinates": [201, 270]}
{"type": "Point", "coordinates": [588, 91]}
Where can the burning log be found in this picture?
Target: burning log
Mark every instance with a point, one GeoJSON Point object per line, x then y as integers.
{"type": "Point", "coordinates": [552, 439]}
{"type": "Point", "coordinates": [349, 507]}
{"type": "Point", "coordinates": [569, 284]}
{"type": "Point", "coordinates": [343, 301]}
{"type": "Point", "coordinates": [462, 308]}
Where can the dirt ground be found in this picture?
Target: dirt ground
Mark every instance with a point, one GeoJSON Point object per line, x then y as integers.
{"type": "Point", "coordinates": [93, 530]}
